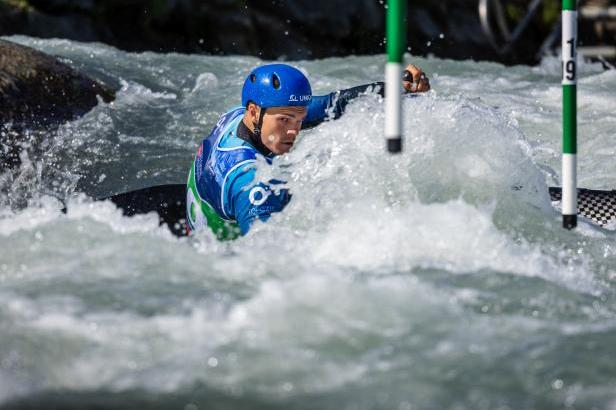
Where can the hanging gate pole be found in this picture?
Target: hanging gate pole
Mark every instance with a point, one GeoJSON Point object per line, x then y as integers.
{"type": "Point", "coordinates": [396, 39]}
{"type": "Point", "coordinates": [569, 81]}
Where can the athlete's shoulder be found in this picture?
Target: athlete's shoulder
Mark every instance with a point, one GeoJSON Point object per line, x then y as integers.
{"type": "Point", "coordinates": [226, 123]}
{"type": "Point", "coordinates": [230, 115]}
{"type": "Point", "coordinates": [231, 141]}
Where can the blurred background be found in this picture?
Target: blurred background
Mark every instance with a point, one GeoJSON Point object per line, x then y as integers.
{"type": "Point", "coordinates": [507, 31]}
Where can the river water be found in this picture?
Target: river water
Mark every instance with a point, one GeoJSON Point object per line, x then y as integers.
{"type": "Point", "coordinates": [439, 278]}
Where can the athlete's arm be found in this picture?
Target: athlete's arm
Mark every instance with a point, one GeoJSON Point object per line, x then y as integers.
{"type": "Point", "coordinates": [332, 105]}
{"type": "Point", "coordinates": [247, 201]}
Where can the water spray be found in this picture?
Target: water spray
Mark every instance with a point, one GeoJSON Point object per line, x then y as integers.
{"type": "Point", "coordinates": [569, 81]}
{"type": "Point", "coordinates": [396, 43]}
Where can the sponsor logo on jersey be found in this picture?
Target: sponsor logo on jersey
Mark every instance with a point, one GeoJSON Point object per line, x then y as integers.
{"type": "Point", "coordinates": [257, 196]}
{"type": "Point", "coordinates": [260, 210]}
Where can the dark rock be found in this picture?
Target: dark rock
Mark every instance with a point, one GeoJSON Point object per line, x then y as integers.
{"type": "Point", "coordinates": [39, 92]}
{"type": "Point", "coordinates": [272, 29]}
{"type": "Point", "coordinates": [62, 6]}
{"type": "Point", "coordinates": [56, 26]}
{"type": "Point", "coordinates": [38, 89]}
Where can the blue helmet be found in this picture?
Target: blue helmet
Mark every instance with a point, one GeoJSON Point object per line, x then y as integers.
{"type": "Point", "coordinates": [276, 85]}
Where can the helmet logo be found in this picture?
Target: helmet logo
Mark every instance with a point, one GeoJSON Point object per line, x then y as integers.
{"type": "Point", "coordinates": [294, 98]}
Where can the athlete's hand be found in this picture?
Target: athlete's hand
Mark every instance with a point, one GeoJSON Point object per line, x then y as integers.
{"type": "Point", "coordinates": [414, 80]}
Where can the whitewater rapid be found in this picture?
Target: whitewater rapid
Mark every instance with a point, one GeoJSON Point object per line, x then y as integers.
{"type": "Point", "coordinates": [439, 278]}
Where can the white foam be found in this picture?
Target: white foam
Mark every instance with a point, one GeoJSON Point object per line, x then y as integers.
{"type": "Point", "coordinates": [205, 81]}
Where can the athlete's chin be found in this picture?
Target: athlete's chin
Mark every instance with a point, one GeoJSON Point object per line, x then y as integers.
{"type": "Point", "coordinates": [282, 148]}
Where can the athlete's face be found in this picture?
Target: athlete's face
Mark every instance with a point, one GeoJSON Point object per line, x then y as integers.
{"type": "Point", "coordinates": [280, 128]}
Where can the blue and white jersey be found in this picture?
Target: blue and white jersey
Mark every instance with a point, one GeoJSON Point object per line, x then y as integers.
{"type": "Point", "coordinates": [224, 171]}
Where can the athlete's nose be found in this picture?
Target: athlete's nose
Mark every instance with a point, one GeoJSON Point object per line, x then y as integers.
{"type": "Point", "coordinates": [291, 136]}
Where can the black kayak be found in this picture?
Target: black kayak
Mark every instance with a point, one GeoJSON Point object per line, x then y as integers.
{"type": "Point", "coordinates": [169, 202]}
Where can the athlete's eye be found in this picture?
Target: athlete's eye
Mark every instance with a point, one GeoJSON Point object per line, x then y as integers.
{"type": "Point", "coordinates": [284, 120]}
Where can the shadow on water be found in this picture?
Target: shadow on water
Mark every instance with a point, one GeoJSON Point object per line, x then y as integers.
{"type": "Point", "coordinates": [198, 398]}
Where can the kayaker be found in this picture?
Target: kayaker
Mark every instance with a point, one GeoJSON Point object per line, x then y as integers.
{"type": "Point", "coordinates": [277, 102]}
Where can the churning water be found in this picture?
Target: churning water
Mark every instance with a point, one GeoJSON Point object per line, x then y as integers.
{"type": "Point", "coordinates": [439, 278]}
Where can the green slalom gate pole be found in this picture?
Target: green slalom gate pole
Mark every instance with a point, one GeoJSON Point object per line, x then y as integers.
{"type": "Point", "coordinates": [569, 81]}
{"type": "Point", "coordinates": [396, 43]}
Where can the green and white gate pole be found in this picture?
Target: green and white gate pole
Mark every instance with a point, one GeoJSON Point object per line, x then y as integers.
{"type": "Point", "coordinates": [569, 72]}
{"type": "Point", "coordinates": [396, 43]}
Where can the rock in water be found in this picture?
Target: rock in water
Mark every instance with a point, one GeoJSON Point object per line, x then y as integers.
{"type": "Point", "coordinates": [38, 92]}
{"type": "Point", "coordinates": [37, 89]}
